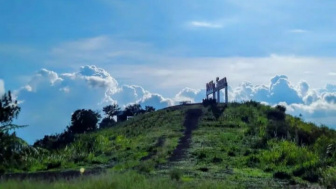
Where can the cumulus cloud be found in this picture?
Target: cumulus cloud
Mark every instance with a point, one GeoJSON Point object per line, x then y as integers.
{"type": "Point", "coordinates": [303, 88]}
{"type": "Point", "coordinates": [155, 100]}
{"type": "Point", "coordinates": [329, 97]}
{"type": "Point", "coordinates": [330, 88]}
{"type": "Point", "coordinates": [2, 87]}
{"type": "Point", "coordinates": [49, 98]}
{"type": "Point", "coordinates": [282, 91]}
{"type": "Point", "coordinates": [42, 79]}
{"type": "Point", "coordinates": [98, 77]}
{"type": "Point", "coordinates": [279, 90]}
{"type": "Point", "coordinates": [315, 105]}
{"type": "Point", "coordinates": [190, 94]}
{"type": "Point", "coordinates": [128, 94]}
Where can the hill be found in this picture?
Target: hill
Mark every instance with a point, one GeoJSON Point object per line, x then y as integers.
{"type": "Point", "coordinates": [239, 145]}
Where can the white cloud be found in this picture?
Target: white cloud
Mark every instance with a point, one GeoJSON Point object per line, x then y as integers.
{"type": "Point", "coordinates": [190, 94]}
{"type": "Point", "coordinates": [332, 73]}
{"type": "Point", "coordinates": [155, 100]}
{"type": "Point", "coordinates": [282, 91]}
{"type": "Point", "coordinates": [203, 24]}
{"type": "Point", "coordinates": [50, 97]}
{"type": "Point", "coordinates": [320, 112]}
{"type": "Point", "coordinates": [318, 106]}
{"type": "Point", "coordinates": [303, 88]}
{"type": "Point", "coordinates": [129, 94]}
{"type": "Point", "coordinates": [97, 77]}
{"type": "Point", "coordinates": [330, 98]}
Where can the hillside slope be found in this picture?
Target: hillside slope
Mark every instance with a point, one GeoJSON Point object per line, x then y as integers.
{"type": "Point", "coordinates": [246, 145]}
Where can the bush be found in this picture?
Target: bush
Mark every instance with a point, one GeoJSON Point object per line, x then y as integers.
{"type": "Point", "coordinates": [328, 177]}
{"type": "Point", "coordinates": [287, 153]}
{"type": "Point", "coordinates": [175, 174]}
{"type": "Point", "coordinates": [252, 161]}
{"type": "Point", "coordinates": [146, 166]}
{"type": "Point", "coordinates": [282, 175]}
{"type": "Point", "coordinates": [217, 160]}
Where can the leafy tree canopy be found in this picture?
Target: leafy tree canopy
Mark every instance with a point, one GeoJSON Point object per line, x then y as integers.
{"type": "Point", "coordinates": [132, 110]}
{"type": "Point", "coordinates": [83, 121]}
{"type": "Point", "coordinates": [9, 110]}
{"type": "Point", "coordinates": [149, 109]}
{"type": "Point", "coordinates": [111, 110]}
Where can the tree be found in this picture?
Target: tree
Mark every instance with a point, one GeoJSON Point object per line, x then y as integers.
{"type": "Point", "coordinates": [132, 110]}
{"type": "Point", "coordinates": [9, 110]}
{"type": "Point", "coordinates": [12, 148]}
{"type": "Point", "coordinates": [84, 121]}
{"type": "Point", "coordinates": [149, 109]}
{"type": "Point", "coordinates": [111, 110]}
{"type": "Point", "coordinates": [107, 122]}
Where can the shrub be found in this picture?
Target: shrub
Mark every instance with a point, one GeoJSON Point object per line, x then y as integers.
{"type": "Point", "coordinates": [282, 175]}
{"type": "Point", "coordinates": [252, 161]}
{"type": "Point", "coordinates": [328, 177]}
{"type": "Point", "coordinates": [175, 174]}
{"type": "Point", "coordinates": [217, 160]}
{"type": "Point", "coordinates": [146, 166]}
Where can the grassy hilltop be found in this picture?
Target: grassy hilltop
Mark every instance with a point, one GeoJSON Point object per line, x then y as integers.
{"type": "Point", "coordinates": [192, 146]}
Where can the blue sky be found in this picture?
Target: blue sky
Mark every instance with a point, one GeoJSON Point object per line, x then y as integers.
{"type": "Point", "coordinates": [62, 55]}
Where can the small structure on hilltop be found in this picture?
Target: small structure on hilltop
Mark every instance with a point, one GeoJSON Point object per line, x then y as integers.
{"type": "Point", "coordinates": [213, 88]}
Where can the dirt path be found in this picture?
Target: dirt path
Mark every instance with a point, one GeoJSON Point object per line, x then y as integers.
{"type": "Point", "coordinates": [190, 123]}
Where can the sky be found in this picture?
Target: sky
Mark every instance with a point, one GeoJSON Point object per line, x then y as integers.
{"type": "Point", "coordinates": [59, 56]}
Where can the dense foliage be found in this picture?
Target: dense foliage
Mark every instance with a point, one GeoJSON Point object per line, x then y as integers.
{"type": "Point", "coordinates": [12, 148]}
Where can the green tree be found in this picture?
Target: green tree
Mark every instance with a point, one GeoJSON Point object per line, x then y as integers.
{"type": "Point", "coordinates": [149, 109]}
{"type": "Point", "coordinates": [133, 109]}
{"type": "Point", "coordinates": [9, 110]}
{"type": "Point", "coordinates": [83, 121]}
{"type": "Point", "coordinates": [111, 110]}
{"type": "Point", "coordinates": [12, 148]}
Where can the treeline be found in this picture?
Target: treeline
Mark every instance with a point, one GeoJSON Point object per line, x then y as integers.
{"type": "Point", "coordinates": [86, 120]}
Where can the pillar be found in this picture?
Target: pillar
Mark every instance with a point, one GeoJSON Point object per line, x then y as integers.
{"type": "Point", "coordinates": [226, 95]}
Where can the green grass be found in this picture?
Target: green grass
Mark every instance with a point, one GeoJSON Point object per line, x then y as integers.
{"type": "Point", "coordinates": [123, 145]}
{"type": "Point", "coordinates": [126, 180]}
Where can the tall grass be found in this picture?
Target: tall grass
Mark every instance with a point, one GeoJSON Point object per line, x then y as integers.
{"type": "Point", "coordinates": [127, 180]}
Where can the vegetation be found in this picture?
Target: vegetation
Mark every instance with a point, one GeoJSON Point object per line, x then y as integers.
{"type": "Point", "coordinates": [13, 149]}
{"type": "Point", "coordinates": [110, 112]}
{"type": "Point", "coordinates": [126, 180]}
{"type": "Point", "coordinates": [240, 145]}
